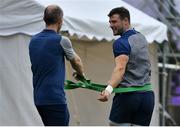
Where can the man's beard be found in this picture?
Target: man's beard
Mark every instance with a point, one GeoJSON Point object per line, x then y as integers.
{"type": "Point", "coordinates": [120, 31]}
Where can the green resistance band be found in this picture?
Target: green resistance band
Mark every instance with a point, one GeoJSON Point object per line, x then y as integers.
{"type": "Point", "coordinates": [87, 84]}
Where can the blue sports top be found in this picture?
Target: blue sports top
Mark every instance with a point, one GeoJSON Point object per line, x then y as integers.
{"type": "Point", "coordinates": [47, 50]}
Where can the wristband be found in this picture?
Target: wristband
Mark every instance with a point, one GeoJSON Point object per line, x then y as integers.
{"type": "Point", "coordinates": [109, 88]}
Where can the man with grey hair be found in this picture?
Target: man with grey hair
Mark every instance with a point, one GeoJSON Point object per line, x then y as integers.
{"type": "Point", "coordinates": [47, 50]}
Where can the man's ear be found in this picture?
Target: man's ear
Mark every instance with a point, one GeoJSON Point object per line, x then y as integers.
{"type": "Point", "coordinates": [125, 20]}
{"type": "Point", "coordinates": [60, 21]}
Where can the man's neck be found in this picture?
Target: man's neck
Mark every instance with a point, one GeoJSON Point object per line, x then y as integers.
{"type": "Point", "coordinates": [52, 27]}
{"type": "Point", "coordinates": [128, 28]}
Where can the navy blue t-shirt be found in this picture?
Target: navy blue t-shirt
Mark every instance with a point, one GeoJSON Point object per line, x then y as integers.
{"type": "Point", "coordinates": [48, 68]}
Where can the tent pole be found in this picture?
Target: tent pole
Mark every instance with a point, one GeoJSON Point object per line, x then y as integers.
{"type": "Point", "coordinates": [164, 82]}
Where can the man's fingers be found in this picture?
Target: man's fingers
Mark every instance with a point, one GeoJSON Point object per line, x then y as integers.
{"type": "Point", "coordinates": [103, 98]}
{"type": "Point", "coordinates": [74, 74]}
{"type": "Point", "coordinates": [102, 93]}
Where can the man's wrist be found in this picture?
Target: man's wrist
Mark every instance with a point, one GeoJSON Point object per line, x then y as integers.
{"type": "Point", "coordinates": [79, 73]}
{"type": "Point", "coordinates": [109, 88]}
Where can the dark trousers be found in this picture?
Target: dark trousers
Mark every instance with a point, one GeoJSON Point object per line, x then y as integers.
{"type": "Point", "coordinates": [133, 107]}
{"type": "Point", "coordinates": [54, 115]}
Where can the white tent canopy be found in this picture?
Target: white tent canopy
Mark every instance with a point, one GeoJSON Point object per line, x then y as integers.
{"type": "Point", "coordinates": [82, 17]}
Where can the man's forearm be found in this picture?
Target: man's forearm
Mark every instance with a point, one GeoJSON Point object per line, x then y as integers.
{"type": "Point", "coordinates": [113, 83]}
{"type": "Point", "coordinates": [119, 70]}
{"type": "Point", "coordinates": [116, 77]}
{"type": "Point", "coordinates": [77, 66]}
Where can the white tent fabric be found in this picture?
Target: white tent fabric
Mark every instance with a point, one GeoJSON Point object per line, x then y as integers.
{"type": "Point", "coordinates": [20, 19]}
{"type": "Point", "coordinates": [16, 92]}
{"type": "Point", "coordinates": [82, 17]}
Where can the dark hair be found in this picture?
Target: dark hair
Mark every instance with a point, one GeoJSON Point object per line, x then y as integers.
{"type": "Point", "coordinates": [121, 11]}
{"type": "Point", "coordinates": [52, 14]}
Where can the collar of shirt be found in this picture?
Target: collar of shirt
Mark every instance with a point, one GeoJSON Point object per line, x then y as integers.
{"type": "Point", "coordinates": [127, 31]}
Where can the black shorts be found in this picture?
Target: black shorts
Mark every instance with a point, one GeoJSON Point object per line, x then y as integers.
{"type": "Point", "coordinates": [133, 107]}
{"type": "Point", "coordinates": [54, 115]}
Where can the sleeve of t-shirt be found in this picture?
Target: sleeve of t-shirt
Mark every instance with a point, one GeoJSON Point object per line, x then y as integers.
{"type": "Point", "coordinates": [67, 47]}
{"type": "Point", "coordinates": [121, 48]}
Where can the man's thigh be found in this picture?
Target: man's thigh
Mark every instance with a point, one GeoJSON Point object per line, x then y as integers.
{"type": "Point", "coordinates": [54, 115]}
{"type": "Point", "coordinates": [133, 108]}
{"type": "Point", "coordinates": [144, 114]}
{"type": "Point", "coordinates": [124, 106]}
